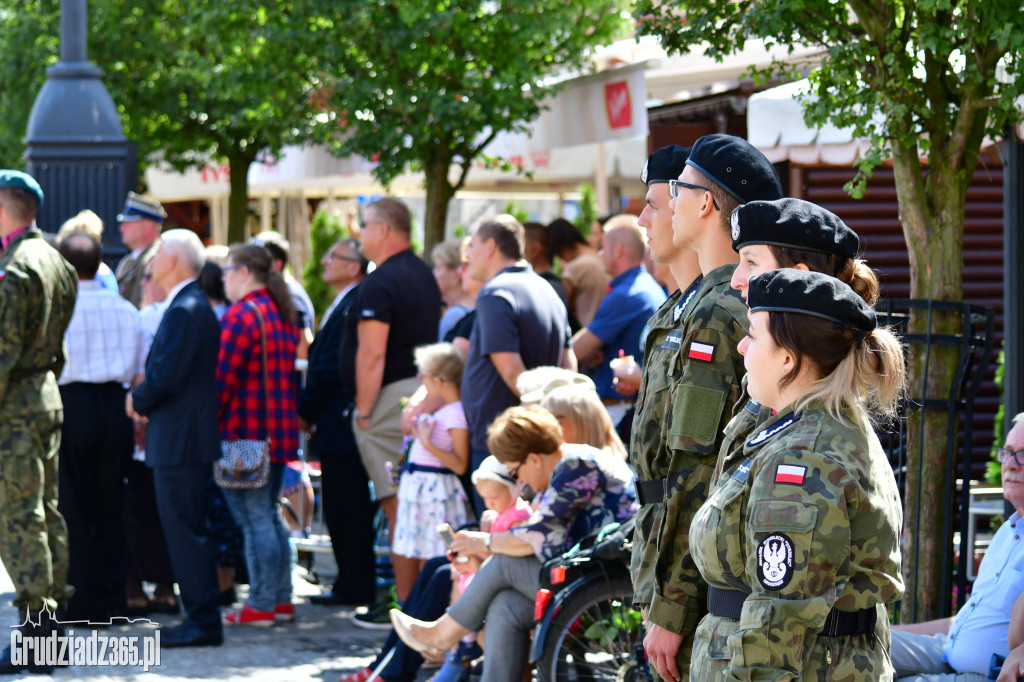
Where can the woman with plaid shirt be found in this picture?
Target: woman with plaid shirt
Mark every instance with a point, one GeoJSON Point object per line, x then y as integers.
{"type": "Point", "coordinates": [247, 412]}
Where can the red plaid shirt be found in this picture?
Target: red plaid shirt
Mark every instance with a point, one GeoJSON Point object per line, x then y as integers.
{"type": "Point", "coordinates": [244, 411]}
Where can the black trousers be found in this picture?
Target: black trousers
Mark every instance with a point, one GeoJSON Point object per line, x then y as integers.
{"type": "Point", "coordinates": [96, 444]}
{"type": "Point", "coordinates": [181, 498]}
{"type": "Point", "coordinates": [348, 513]}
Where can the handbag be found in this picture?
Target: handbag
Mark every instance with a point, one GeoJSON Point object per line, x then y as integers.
{"type": "Point", "coordinates": [245, 464]}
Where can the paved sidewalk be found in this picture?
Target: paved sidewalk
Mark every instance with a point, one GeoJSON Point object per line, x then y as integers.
{"type": "Point", "coordinates": [320, 645]}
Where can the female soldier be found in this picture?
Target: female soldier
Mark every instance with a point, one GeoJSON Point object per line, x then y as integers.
{"type": "Point", "coordinates": [789, 233]}
{"type": "Point", "coordinates": [799, 541]}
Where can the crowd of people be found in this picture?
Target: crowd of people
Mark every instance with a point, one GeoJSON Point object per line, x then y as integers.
{"type": "Point", "coordinates": [712, 368]}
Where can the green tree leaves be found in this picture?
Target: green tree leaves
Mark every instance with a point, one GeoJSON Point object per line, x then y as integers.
{"type": "Point", "coordinates": [427, 85]}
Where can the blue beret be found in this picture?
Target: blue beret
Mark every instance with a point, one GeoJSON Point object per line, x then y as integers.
{"type": "Point", "coordinates": [138, 207]}
{"type": "Point", "coordinates": [665, 164]}
{"type": "Point", "coordinates": [18, 180]}
{"type": "Point", "coordinates": [794, 224]}
{"type": "Point", "coordinates": [736, 166]}
{"type": "Point", "coordinates": [810, 293]}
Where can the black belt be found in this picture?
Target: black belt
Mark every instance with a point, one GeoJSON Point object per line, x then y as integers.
{"type": "Point", "coordinates": [651, 492]}
{"type": "Point", "coordinates": [412, 468]}
{"type": "Point", "coordinates": [729, 604]}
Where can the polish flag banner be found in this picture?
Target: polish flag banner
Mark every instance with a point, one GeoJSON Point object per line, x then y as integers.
{"type": "Point", "coordinates": [701, 351]}
{"type": "Point", "coordinates": [788, 473]}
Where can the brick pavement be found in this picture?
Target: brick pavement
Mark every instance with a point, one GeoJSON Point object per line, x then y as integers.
{"type": "Point", "coordinates": [320, 645]}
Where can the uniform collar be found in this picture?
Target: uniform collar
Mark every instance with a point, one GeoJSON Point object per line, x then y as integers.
{"type": "Point", "coordinates": [9, 239]}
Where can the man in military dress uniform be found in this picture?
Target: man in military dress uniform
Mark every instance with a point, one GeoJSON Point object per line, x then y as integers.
{"type": "Point", "coordinates": [688, 394]}
{"type": "Point", "coordinates": [37, 296]}
{"type": "Point", "coordinates": [140, 224]}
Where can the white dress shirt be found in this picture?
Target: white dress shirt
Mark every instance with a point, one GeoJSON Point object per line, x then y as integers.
{"type": "Point", "coordinates": [334, 304]}
{"type": "Point", "coordinates": [103, 338]}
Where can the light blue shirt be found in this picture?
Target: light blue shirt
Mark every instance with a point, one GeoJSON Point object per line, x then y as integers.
{"type": "Point", "coordinates": [979, 629]}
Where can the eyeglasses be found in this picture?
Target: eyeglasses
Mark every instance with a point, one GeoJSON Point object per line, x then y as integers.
{"type": "Point", "coordinates": [674, 185]}
{"type": "Point", "coordinates": [228, 268]}
{"type": "Point", "coordinates": [330, 257]}
{"type": "Point", "coordinates": [1005, 454]}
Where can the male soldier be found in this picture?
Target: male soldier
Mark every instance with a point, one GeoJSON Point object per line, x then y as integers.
{"type": "Point", "coordinates": [698, 385]}
{"type": "Point", "coordinates": [141, 221]}
{"type": "Point", "coordinates": [37, 298]}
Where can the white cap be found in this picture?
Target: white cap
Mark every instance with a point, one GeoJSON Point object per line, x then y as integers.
{"type": "Point", "coordinates": [492, 470]}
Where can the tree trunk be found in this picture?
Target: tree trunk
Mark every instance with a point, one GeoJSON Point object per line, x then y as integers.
{"type": "Point", "coordinates": [439, 195]}
{"type": "Point", "coordinates": [238, 200]}
{"type": "Point", "coordinates": [932, 216]}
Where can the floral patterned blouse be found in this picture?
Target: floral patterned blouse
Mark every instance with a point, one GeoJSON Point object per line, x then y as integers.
{"type": "Point", "coordinates": [589, 489]}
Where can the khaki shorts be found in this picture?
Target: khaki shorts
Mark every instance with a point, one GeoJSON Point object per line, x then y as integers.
{"type": "Point", "coordinates": [381, 441]}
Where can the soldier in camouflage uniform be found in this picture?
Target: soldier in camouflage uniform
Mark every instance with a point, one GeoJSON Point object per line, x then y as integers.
{"type": "Point", "coordinates": [37, 296]}
{"type": "Point", "coordinates": [799, 541]}
{"type": "Point", "coordinates": [788, 233]}
{"type": "Point", "coordinates": [690, 384]}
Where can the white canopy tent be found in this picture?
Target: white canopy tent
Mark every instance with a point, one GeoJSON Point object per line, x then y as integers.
{"type": "Point", "coordinates": [776, 126]}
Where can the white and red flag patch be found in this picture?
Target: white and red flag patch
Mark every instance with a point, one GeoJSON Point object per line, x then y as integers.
{"type": "Point", "coordinates": [790, 473]}
{"type": "Point", "coordinates": [701, 351]}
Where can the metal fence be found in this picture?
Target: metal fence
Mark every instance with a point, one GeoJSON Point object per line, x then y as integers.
{"type": "Point", "coordinates": [974, 356]}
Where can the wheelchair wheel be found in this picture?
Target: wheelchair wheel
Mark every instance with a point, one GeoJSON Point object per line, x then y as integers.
{"type": "Point", "coordinates": [595, 636]}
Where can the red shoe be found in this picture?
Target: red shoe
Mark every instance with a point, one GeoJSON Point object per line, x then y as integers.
{"type": "Point", "coordinates": [357, 676]}
{"type": "Point", "coordinates": [285, 613]}
{"type": "Point", "coordinates": [247, 615]}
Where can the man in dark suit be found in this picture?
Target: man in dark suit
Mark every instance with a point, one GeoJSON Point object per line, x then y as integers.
{"type": "Point", "coordinates": [326, 405]}
{"type": "Point", "coordinates": [179, 398]}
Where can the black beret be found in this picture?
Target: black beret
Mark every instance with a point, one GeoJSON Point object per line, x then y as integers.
{"type": "Point", "coordinates": [810, 293]}
{"type": "Point", "coordinates": [795, 224]}
{"type": "Point", "coordinates": [665, 164]}
{"type": "Point", "coordinates": [737, 166]}
{"type": "Point", "coordinates": [18, 180]}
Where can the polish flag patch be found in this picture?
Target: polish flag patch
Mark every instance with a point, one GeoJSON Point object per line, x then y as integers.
{"type": "Point", "coordinates": [789, 473]}
{"type": "Point", "coordinates": [701, 351]}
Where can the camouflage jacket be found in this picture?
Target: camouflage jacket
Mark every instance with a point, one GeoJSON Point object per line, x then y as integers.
{"type": "Point", "coordinates": [684, 403]}
{"type": "Point", "coordinates": [807, 517]}
{"type": "Point", "coordinates": [37, 296]}
{"type": "Point", "coordinates": [747, 415]}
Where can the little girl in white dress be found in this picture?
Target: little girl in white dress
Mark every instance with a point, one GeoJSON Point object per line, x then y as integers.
{"type": "Point", "coordinates": [429, 491]}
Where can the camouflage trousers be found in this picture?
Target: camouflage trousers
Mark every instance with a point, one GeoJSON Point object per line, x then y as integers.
{"type": "Point", "coordinates": [33, 536]}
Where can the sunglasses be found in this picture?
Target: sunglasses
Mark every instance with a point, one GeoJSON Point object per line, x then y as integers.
{"type": "Point", "coordinates": [515, 472]}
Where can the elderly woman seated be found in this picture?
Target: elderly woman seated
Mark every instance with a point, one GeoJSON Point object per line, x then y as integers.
{"type": "Point", "coordinates": [581, 489]}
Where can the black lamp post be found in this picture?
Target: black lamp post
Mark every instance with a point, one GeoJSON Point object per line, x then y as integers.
{"type": "Point", "coordinates": [75, 145]}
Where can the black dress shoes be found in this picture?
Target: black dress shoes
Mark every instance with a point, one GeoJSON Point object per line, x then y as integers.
{"type": "Point", "coordinates": [189, 633]}
{"type": "Point", "coordinates": [331, 598]}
